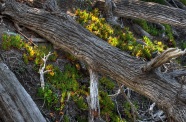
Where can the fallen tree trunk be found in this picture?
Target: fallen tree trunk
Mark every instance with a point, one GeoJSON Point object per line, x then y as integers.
{"type": "Point", "coordinates": [16, 105]}
{"type": "Point", "coordinates": [61, 30]}
{"type": "Point", "coordinates": [149, 11]}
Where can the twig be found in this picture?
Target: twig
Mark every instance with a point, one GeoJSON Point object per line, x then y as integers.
{"type": "Point", "coordinates": [117, 109]}
{"type": "Point", "coordinates": [29, 39]}
{"type": "Point", "coordinates": [116, 94]}
{"type": "Point", "coordinates": [19, 31]}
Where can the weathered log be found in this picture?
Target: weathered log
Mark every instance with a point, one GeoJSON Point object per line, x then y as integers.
{"type": "Point", "coordinates": [16, 105]}
{"type": "Point", "coordinates": [63, 31]}
{"type": "Point", "coordinates": [149, 11]}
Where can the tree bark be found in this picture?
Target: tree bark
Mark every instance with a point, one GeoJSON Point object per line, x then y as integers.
{"type": "Point", "coordinates": [149, 11]}
{"type": "Point", "coordinates": [63, 31]}
{"type": "Point", "coordinates": [16, 105]}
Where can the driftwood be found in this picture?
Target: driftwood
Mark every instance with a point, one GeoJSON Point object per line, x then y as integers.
{"type": "Point", "coordinates": [152, 12]}
{"type": "Point", "coordinates": [16, 105]}
{"type": "Point", "coordinates": [61, 30]}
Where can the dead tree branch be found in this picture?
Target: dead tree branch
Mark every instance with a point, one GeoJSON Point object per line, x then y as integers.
{"type": "Point", "coordinates": [163, 58]}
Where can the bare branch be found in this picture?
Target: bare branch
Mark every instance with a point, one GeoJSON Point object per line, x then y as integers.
{"type": "Point", "coordinates": [42, 70]}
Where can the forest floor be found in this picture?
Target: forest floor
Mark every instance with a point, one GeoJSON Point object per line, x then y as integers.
{"type": "Point", "coordinates": [71, 111]}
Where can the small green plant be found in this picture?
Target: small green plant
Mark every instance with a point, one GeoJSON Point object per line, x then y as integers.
{"type": "Point", "coordinates": [106, 84]}
{"type": "Point", "coordinates": [31, 53]}
{"type": "Point", "coordinates": [150, 28]}
{"type": "Point", "coordinates": [106, 105]}
{"type": "Point", "coordinates": [66, 118]}
{"type": "Point", "coordinates": [25, 58]}
{"type": "Point", "coordinates": [183, 45]}
{"type": "Point", "coordinates": [82, 118]}
{"type": "Point", "coordinates": [12, 41]}
{"type": "Point", "coordinates": [35, 53]}
{"type": "Point", "coordinates": [79, 100]}
{"type": "Point", "coordinates": [121, 38]}
{"type": "Point", "coordinates": [66, 83]}
{"type": "Point", "coordinates": [168, 31]}
{"type": "Point", "coordinates": [127, 110]}
{"type": "Point", "coordinates": [155, 32]}
{"type": "Point", "coordinates": [48, 95]}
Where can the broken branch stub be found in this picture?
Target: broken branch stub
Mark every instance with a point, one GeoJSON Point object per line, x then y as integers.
{"type": "Point", "coordinates": [163, 58]}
